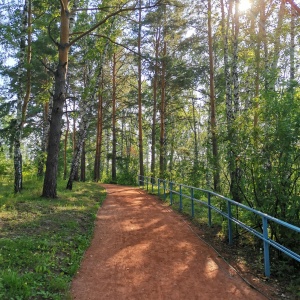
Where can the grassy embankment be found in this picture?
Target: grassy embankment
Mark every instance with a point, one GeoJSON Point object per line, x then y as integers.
{"type": "Point", "coordinates": [42, 241]}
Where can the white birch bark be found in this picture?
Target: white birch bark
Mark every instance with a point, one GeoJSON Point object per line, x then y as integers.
{"type": "Point", "coordinates": [73, 16]}
{"type": "Point", "coordinates": [20, 101]}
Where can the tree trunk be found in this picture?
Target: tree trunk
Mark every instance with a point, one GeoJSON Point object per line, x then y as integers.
{"type": "Point", "coordinates": [99, 132]}
{"type": "Point", "coordinates": [107, 152]}
{"type": "Point", "coordinates": [141, 152]}
{"type": "Point", "coordinates": [82, 169]}
{"type": "Point", "coordinates": [66, 144]}
{"type": "Point", "coordinates": [228, 77]}
{"type": "Point", "coordinates": [23, 100]}
{"type": "Point", "coordinates": [213, 122]}
{"type": "Point", "coordinates": [46, 118]}
{"type": "Point", "coordinates": [155, 81]}
{"type": "Point", "coordinates": [50, 180]}
{"type": "Point", "coordinates": [114, 134]}
{"type": "Point", "coordinates": [85, 111]}
{"type": "Point", "coordinates": [233, 141]}
{"type": "Point", "coordinates": [196, 150]}
{"type": "Point", "coordinates": [74, 138]}
{"type": "Point", "coordinates": [162, 145]}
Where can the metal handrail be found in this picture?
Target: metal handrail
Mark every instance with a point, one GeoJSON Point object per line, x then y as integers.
{"type": "Point", "coordinates": [168, 187]}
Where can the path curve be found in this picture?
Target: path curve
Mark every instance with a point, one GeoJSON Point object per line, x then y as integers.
{"type": "Point", "coordinates": [141, 249]}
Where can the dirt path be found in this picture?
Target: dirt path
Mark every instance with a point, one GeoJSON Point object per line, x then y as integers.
{"type": "Point", "coordinates": [143, 250]}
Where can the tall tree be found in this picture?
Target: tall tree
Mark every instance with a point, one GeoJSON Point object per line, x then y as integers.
{"type": "Point", "coordinates": [162, 137]}
{"type": "Point", "coordinates": [50, 179]}
{"type": "Point", "coordinates": [140, 112]}
{"type": "Point", "coordinates": [213, 123]}
{"type": "Point", "coordinates": [24, 72]}
{"type": "Point", "coordinates": [114, 132]}
{"type": "Point", "coordinates": [99, 129]}
{"type": "Point", "coordinates": [154, 112]}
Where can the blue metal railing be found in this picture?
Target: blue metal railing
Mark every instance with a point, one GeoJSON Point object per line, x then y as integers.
{"type": "Point", "coordinates": [165, 187]}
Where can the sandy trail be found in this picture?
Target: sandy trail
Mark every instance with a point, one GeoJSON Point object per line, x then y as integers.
{"type": "Point", "coordinates": [143, 250]}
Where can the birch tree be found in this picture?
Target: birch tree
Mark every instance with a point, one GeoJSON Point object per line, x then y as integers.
{"type": "Point", "coordinates": [24, 72]}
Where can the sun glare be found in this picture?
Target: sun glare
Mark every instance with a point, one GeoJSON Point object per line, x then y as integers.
{"type": "Point", "coordinates": [244, 5]}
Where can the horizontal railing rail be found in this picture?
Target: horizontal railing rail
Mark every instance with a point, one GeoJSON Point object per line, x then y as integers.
{"type": "Point", "coordinates": [183, 191]}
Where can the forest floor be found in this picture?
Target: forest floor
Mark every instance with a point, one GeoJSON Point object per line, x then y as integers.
{"type": "Point", "coordinates": [142, 249]}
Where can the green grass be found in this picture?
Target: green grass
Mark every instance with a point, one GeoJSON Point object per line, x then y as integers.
{"type": "Point", "coordinates": [42, 241]}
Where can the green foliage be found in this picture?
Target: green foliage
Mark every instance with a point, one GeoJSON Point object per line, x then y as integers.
{"type": "Point", "coordinates": [5, 166]}
{"type": "Point", "coordinates": [127, 170]}
{"type": "Point", "coordinates": [264, 157]}
{"type": "Point", "coordinates": [42, 241]}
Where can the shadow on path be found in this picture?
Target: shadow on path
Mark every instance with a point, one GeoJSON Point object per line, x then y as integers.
{"type": "Point", "coordinates": [143, 250]}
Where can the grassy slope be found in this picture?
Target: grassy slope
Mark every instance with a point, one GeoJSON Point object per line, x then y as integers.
{"type": "Point", "coordinates": [42, 241]}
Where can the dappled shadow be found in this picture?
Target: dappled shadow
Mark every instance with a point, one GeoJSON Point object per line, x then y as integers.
{"type": "Point", "coordinates": [143, 250]}
{"type": "Point", "coordinates": [45, 222]}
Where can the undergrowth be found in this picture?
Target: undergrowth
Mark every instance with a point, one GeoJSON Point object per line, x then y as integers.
{"type": "Point", "coordinates": [42, 241]}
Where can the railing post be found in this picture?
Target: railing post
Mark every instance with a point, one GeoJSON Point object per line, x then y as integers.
{"type": "Point", "coordinates": [209, 209]}
{"type": "Point", "coordinates": [147, 183]}
{"type": "Point", "coordinates": [158, 185]}
{"type": "Point", "coordinates": [139, 180]}
{"type": "Point", "coordinates": [192, 202]}
{"type": "Point", "coordinates": [164, 189]}
{"type": "Point", "coordinates": [229, 222]}
{"type": "Point", "coordinates": [266, 247]}
{"type": "Point", "coordinates": [180, 197]}
{"type": "Point", "coordinates": [171, 196]}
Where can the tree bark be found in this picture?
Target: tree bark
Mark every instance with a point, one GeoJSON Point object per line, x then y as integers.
{"type": "Point", "coordinates": [155, 83]}
{"type": "Point", "coordinates": [66, 144]}
{"type": "Point", "coordinates": [83, 163]}
{"type": "Point", "coordinates": [45, 134]}
{"type": "Point", "coordinates": [114, 134]}
{"type": "Point", "coordinates": [82, 132]}
{"type": "Point", "coordinates": [213, 122]}
{"type": "Point", "coordinates": [233, 137]}
{"type": "Point", "coordinates": [50, 180]}
{"type": "Point", "coordinates": [74, 138]}
{"type": "Point", "coordinates": [99, 132]}
{"type": "Point", "coordinates": [196, 150]}
{"type": "Point", "coordinates": [23, 100]}
{"type": "Point", "coordinates": [141, 152]}
{"type": "Point", "coordinates": [162, 145]}
{"type": "Point", "coordinates": [228, 78]}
